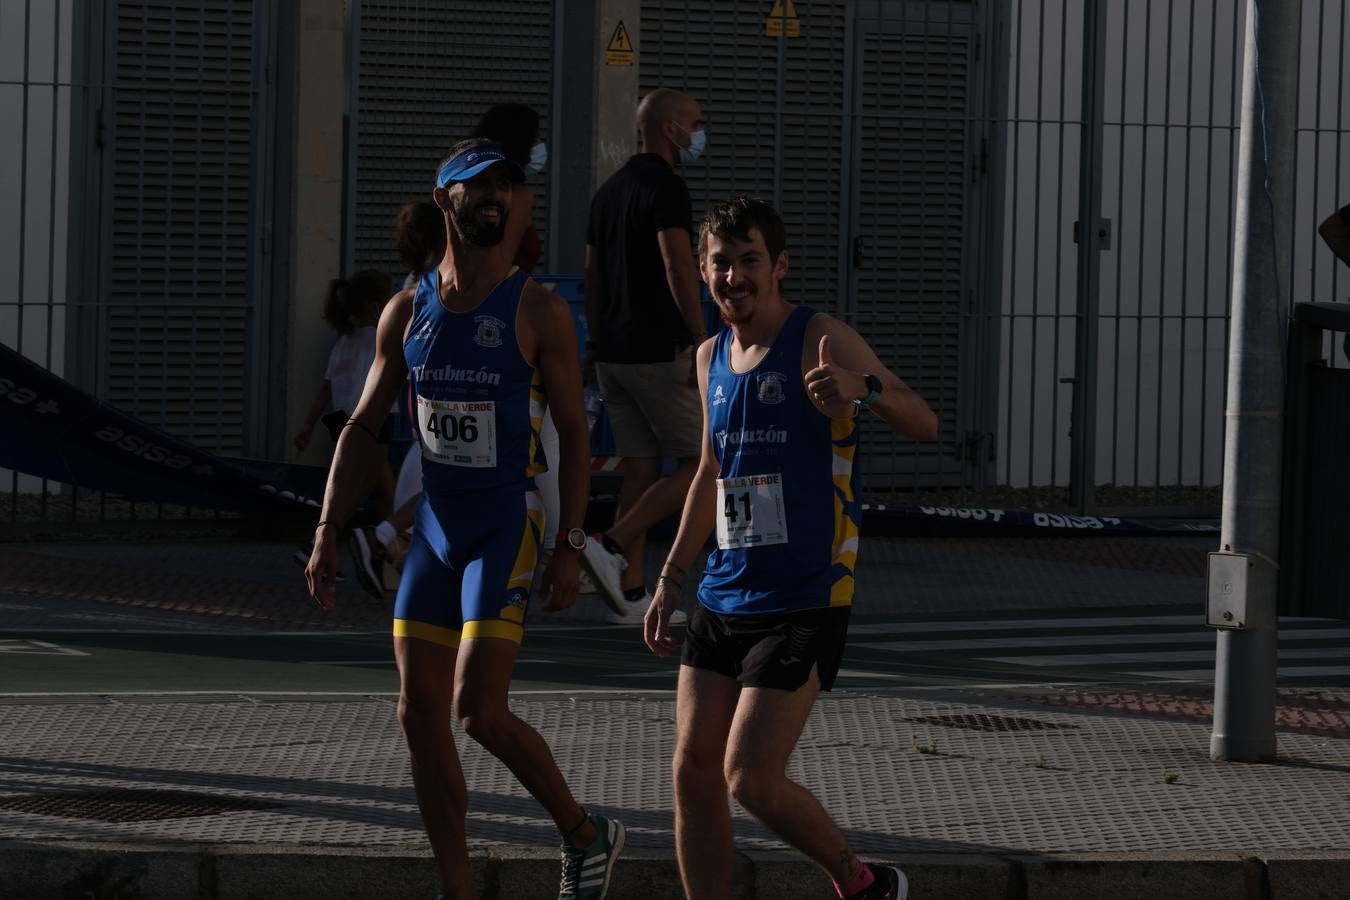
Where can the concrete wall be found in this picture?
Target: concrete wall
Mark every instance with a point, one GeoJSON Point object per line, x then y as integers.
{"type": "Point", "coordinates": [316, 204]}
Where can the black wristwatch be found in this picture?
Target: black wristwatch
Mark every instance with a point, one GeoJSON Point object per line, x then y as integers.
{"type": "Point", "coordinates": [573, 539]}
{"type": "Point", "coordinates": [874, 387]}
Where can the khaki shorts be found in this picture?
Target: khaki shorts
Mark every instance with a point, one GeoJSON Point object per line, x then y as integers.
{"type": "Point", "coordinates": [653, 409]}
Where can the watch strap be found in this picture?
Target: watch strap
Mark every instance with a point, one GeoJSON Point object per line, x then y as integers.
{"type": "Point", "coordinates": [873, 391]}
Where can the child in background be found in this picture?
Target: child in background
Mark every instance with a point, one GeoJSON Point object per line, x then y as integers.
{"type": "Point", "coordinates": [352, 307]}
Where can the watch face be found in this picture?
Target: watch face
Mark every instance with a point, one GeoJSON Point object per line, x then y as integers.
{"type": "Point", "coordinates": [576, 539]}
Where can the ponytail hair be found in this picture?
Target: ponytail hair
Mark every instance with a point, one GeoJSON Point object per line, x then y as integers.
{"type": "Point", "coordinates": [419, 234]}
{"type": "Point", "coordinates": [348, 298]}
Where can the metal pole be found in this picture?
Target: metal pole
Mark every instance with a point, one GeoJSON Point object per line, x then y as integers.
{"type": "Point", "coordinates": [1083, 455]}
{"type": "Point", "coordinates": [1244, 676]}
{"type": "Point", "coordinates": [779, 91]}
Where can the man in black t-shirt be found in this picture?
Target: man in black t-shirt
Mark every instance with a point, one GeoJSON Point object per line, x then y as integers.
{"type": "Point", "coordinates": [644, 319]}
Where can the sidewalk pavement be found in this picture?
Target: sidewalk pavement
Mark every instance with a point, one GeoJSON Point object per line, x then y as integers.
{"type": "Point", "coordinates": [976, 795]}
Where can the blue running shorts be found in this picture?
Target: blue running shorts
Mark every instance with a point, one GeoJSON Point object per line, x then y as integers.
{"type": "Point", "coordinates": [469, 566]}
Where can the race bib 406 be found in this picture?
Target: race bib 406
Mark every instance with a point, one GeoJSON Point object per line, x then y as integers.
{"type": "Point", "coordinates": [459, 432]}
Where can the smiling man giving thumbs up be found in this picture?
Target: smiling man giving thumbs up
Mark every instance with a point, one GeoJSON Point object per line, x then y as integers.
{"type": "Point", "coordinates": [782, 388]}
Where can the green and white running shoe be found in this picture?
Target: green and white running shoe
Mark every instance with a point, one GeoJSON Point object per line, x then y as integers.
{"type": "Point", "coordinates": [586, 871]}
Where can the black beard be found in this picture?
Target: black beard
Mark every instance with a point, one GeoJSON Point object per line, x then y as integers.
{"type": "Point", "coordinates": [479, 234]}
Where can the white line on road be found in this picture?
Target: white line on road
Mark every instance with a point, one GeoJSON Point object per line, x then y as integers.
{"type": "Point", "coordinates": [1162, 657]}
{"type": "Point", "coordinates": [992, 625]}
{"type": "Point", "coordinates": [252, 693]}
{"type": "Point", "coordinates": [37, 648]}
{"type": "Point", "coordinates": [1201, 636]}
{"type": "Point", "coordinates": [1281, 672]}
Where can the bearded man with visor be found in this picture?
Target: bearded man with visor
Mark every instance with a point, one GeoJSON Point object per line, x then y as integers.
{"type": "Point", "coordinates": [485, 349]}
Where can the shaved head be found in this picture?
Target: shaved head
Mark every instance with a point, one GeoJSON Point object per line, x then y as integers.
{"type": "Point", "coordinates": [659, 106]}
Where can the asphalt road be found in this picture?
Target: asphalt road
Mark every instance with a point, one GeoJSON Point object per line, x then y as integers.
{"type": "Point", "coordinates": [1134, 646]}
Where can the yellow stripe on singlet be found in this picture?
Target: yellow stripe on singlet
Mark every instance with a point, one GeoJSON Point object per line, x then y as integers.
{"type": "Point", "coordinates": [845, 549]}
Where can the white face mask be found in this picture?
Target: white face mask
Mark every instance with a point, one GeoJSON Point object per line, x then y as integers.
{"type": "Point", "coordinates": [698, 142]}
{"type": "Point", "coordinates": [538, 158]}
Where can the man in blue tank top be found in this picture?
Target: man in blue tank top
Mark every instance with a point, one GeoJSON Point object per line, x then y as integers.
{"type": "Point", "coordinates": [782, 388]}
{"type": "Point", "coordinates": [485, 350]}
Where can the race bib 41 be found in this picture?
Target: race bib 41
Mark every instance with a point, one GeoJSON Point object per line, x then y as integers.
{"type": "Point", "coordinates": [750, 511]}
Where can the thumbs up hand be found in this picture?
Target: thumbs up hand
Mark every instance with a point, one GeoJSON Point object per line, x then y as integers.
{"type": "Point", "coordinates": [832, 388]}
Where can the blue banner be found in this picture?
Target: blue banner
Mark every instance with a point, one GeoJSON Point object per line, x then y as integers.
{"type": "Point", "coordinates": [51, 429]}
{"type": "Point", "coordinates": [886, 519]}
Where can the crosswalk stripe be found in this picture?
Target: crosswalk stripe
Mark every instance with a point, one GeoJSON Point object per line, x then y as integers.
{"type": "Point", "coordinates": [1160, 647]}
{"type": "Point", "coordinates": [1195, 620]}
{"type": "Point", "coordinates": [1107, 659]}
{"type": "Point", "coordinates": [1282, 672]}
{"type": "Point", "coordinates": [1087, 640]}
{"type": "Point", "coordinates": [998, 624]}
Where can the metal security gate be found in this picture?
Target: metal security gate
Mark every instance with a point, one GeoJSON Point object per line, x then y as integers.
{"type": "Point", "coordinates": [180, 132]}
{"type": "Point", "coordinates": [136, 174]}
{"type": "Point", "coordinates": [422, 74]}
{"type": "Point", "coordinates": [914, 195]}
{"type": "Point", "coordinates": [1113, 334]}
{"type": "Point", "coordinates": [859, 130]}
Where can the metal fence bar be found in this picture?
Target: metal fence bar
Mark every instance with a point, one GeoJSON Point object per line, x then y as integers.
{"type": "Point", "coordinates": [1185, 247]}
{"type": "Point", "coordinates": [1058, 323]}
{"type": "Point", "coordinates": [1116, 317]}
{"type": "Point", "coordinates": [1209, 219]}
{"type": "Point", "coordinates": [1162, 257]}
{"type": "Point", "coordinates": [1083, 464]}
{"type": "Point", "coordinates": [1014, 255]}
{"type": "Point", "coordinates": [23, 198]}
{"type": "Point", "coordinates": [1340, 132]}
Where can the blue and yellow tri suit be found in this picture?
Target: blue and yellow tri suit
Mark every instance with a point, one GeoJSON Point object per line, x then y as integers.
{"type": "Point", "coordinates": [787, 507]}
{"type": "Point", "coordinates": [477, 406]}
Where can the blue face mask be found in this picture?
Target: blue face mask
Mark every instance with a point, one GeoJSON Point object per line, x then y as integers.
{"type": "Point", "coordinates": [698, 142]}
{"type": "Point", "coordinates": [538, 158]}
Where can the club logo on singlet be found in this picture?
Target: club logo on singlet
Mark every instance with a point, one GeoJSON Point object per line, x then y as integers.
{"type": "Point", "coordinates": [422, 333]}
{"type": "Point", "coordinates": [489, 333]}
{"type": "Point", "coordinates": [719, 396]}
{"type": "Point", "coordinates": [771, 388]}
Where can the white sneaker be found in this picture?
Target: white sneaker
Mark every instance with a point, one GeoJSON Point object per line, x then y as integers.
{"type": "Point", "coordinates": [607, 569]}
{"type": "Point", "coordinates": [584, 583]}
{"type": "Point", "coordinates": [635, 611]}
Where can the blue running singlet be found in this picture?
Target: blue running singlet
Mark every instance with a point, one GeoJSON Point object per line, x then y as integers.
{"type": "Point", "coordinates": [477, 404]}
{"type": "Point", "coordinates": [787, 507]}
{"type": "Point", "coordinates": [477, 407]}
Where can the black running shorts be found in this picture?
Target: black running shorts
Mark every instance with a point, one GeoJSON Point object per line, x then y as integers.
{"type": "Point", "coordinates": [775, 651]}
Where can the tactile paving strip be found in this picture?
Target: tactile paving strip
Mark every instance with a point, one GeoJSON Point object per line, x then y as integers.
{"type": "Point", "coordinates": [338, 774]}
{"type": "Point", "coordinates": [1321, 712]}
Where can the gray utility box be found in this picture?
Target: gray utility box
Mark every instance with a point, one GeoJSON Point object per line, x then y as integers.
{"type": "Point", "coordinates": [1227, 586]}
{"type": "Point", "coordinates": [1315, 507]}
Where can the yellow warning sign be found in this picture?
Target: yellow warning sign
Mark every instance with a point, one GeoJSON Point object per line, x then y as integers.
{"type": "Point", "coordinates": [782, 20]}
{"type": "Point", "coordinates": [620, 51]}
